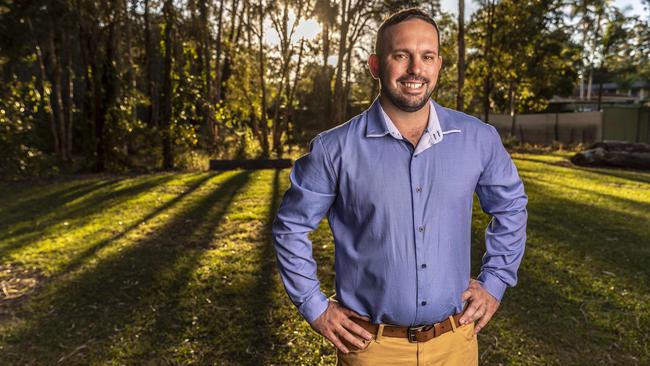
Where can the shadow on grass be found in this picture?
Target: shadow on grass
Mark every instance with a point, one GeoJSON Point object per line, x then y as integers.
{"type": "Point", "coordinates": [621, 201]}
{"type": "Point", "coordinates": [263, 326]}
{"type": "Point", "coordinates": [31, 197]}
{"type": "Point", "coordinates": [80, 211]}
{"type": "Point", "coordinates": [87, 317]}
{"type": "Point", "coordinates": [549, 327]}
{"type": "Point", "coordinates": [639, 176]}
{"type": "Point", "coordinates": [571, 321]}
{"type": "Point", "coordinates": [611, 237]}
{"type": "Point", "coordinates": [89, 252]}
{"type": "Point", "coordinates": [243, 328]}
{"type": "Point", "coordinates": [39, 202]}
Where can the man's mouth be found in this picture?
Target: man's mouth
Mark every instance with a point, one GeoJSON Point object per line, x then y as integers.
{"type": "Point", "coordinates": [412, 85]}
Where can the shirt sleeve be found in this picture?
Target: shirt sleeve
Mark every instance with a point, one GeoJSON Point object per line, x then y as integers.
{"type": "Point", "coordinates": [501, 195]}
{"type": "Point", "coordinates": [306, 202]}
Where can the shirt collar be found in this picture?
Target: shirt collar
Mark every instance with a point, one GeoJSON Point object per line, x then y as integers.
{"type": "Point", "coordinates": [379, 124]}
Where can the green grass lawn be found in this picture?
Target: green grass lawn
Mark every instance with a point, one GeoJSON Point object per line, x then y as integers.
{"type": "Point", "coordinates": [179, 269]}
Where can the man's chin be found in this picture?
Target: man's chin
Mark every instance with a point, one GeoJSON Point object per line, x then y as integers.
{"type": "Point", "coordinates": [407, 105]}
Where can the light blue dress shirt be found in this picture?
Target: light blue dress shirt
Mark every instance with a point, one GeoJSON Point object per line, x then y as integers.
{"type": "Point", "coordinates": [401, 217]}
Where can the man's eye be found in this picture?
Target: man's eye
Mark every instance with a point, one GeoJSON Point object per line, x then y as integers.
{"type": "Point", "coordinates": [400, 56]}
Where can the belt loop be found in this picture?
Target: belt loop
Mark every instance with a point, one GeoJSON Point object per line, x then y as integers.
{"type": "Point", "coordinates": [380, 331]}
{"type": "Point", "coordinates": [453, 323]}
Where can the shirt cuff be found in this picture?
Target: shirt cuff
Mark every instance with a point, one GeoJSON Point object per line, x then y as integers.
{"type": "Point", "coordinates": [492, 284]}
{"type": "Point", "coordinates": [313, 307]}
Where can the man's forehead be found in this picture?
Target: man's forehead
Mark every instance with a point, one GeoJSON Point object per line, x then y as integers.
{"type": "Point", "coordinates": [413, 32]}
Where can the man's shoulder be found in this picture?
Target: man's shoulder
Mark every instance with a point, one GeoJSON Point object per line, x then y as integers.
{"type": "Point", "coordinates": [453, 119]}
{"type": "Point", "coordinates": [340, 134]}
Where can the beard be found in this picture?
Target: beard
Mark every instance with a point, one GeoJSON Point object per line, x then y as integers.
{"type": "Point", "coordinates": [406, 103]}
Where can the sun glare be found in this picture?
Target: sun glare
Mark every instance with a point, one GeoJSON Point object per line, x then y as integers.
{"type": "Point", "coordinates": [307, 29]}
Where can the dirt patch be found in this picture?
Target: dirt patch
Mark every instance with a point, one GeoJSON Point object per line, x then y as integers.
{"type": "Point", "coordinates": [17, 282]}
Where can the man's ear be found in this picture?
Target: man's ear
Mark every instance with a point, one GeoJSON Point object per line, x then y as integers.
{"type": "Point", "coordinates": [373, 65]}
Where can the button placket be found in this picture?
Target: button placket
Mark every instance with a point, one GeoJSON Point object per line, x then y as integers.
{"type": "Point", "coordinates": [419, 227]}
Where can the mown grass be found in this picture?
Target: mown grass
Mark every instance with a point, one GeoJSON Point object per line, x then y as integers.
{"type": "Point", "coordinates": [180, 269]}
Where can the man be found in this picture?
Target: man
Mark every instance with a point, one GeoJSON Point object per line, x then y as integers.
{"type": "Point", "coordinates": [397, 183]}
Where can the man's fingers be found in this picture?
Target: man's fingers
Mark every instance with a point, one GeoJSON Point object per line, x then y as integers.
{"type": "Point", "coordinates": [466, 295]}
{"type": "Point", "coordinates": [480, 312]}
{"type": "Point", "coordinates": [337, 342]}
{"type": "Point", "coordinates": [356, 328]}
{"type": "Point", "coordinates": [483, 322]}
{"type": "Point", "coordinates": [469, 313]}
{"type": "Point", "coordinates": [350, 338]}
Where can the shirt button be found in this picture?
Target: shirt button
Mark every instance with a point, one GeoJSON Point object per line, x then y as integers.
{"type": "Point", "coordinates": [424, 265]}
{"type": "Point", "coordinates": [421, 229]}
{"type": "Point", "coordinates": [418, 189]}
{"type": "Point", "coordinates": [424, 303]}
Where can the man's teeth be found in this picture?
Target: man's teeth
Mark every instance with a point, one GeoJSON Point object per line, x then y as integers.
{"type": "Point", "coordinates": [413, 85]}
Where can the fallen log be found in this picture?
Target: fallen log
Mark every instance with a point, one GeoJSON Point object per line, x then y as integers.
{"type": "Point", "coordinates": [615, 153]}
{"type": "Point", "coordinates": [622, 146]}
{"type": "Point", "coordinates": [250, 164]}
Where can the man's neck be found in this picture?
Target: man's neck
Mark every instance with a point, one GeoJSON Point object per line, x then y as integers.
{"type": "Point", "coordinates": [410, 124]}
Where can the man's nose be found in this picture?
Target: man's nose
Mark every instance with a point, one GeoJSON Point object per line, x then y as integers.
{"type": "Point", "coordinates": [415, 66]}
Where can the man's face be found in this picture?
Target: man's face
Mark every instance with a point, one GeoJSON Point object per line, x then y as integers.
{"type": "Point", "coordinates": [408, 64]}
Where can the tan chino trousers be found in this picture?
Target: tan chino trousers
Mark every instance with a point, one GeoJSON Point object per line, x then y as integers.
{"type": "Point", "coordinates": [454, 348]}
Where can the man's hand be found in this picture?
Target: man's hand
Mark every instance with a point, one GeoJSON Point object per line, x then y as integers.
{"type": "Point", "coordinates": [335, 324]}
{"type": "Point", "coordinates": [482, 305]}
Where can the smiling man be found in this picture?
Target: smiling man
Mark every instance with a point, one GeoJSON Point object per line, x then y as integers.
{"type": "Point", "coordinates": [397, 184]}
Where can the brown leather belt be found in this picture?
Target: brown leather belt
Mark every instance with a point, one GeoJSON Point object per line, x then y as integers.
{"type": "Point", "coordinates": [421, 333]}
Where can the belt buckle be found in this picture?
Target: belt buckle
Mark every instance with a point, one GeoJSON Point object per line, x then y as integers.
{"type": "Point", "coordinates": [412, 331]}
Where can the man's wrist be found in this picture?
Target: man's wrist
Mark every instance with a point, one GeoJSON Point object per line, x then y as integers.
{"type": "Point", "coordinates": [492, 284]}
{"type": "Point", "coordinates": [314, 307]}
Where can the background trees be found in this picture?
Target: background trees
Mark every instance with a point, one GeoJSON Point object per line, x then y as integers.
{"type": "Point", "coordinates": [156, 84]}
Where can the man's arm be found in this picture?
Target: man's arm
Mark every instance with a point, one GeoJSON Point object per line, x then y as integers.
{"type": "Point", "coordinates": [501, 194]}
{"type": "Point", "coordinates": [306, 202]}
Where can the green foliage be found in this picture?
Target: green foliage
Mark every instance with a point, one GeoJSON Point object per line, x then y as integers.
{"type": "Point", "coordinates": [22, 153]}
{"type": "Point", "coordinates": [90, 76]}
{"type": "Point", "coordinates": [531, 56]}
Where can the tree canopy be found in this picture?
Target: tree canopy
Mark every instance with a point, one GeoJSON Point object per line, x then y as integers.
{"type": "Point", "coordinates": [158, 84]}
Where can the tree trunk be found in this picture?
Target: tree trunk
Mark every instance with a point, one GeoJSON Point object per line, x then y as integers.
{"type": "Point", "coordinates": [68, 96]}
{"type": "Point", "coordinates": [108, 81]}
{"type": "Point", "coordinates": [218, 51]}
{"type": "Point", "coordinates": [590, 82]}
{"type": "Point", "coordinates": [346, 88]}
{"type": "Point", "coordinates": [98, 120]}
{"type": "Point", "coordinates": [460, 97]}
{"type": "Point", "coordinates": [150, 56]}
{"type": "Point", "coordinates": [56, 95]}
{"type": "Point", "coordinates": [487, 84]}
{"type": "Point", "coordinates": [226, 67]}
{"type": "Point", "coordinates": [513, 112]}
{"type": "Point", "coordinates": [264, 130]}
{"type": "Point", "coordinates": [600, 91]}
{"type": "Point", "coordinates": [166, 97]}
{"type": "Point", "coordinates": [326, 78]}
{"type": "Point", "coordinates": [131, 77]}
{"type": "Point", "coordinates": [289, 111]}
{"type": "Point", "coordinates": [45, 97]}
{"type": "Point", "coordinates": [337, 109]}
